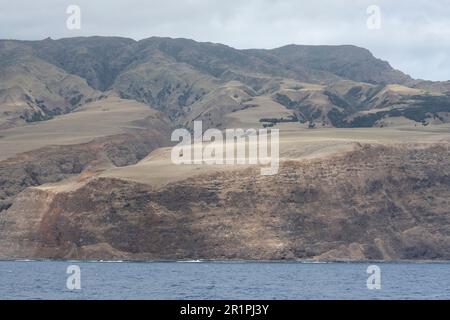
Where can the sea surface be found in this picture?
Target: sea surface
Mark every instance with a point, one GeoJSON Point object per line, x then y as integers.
{"type": "Point", "coordinates": [221, 280]}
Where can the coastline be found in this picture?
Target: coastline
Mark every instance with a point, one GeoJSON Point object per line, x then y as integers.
{"type": "Point", "coordinates": [238, 261]}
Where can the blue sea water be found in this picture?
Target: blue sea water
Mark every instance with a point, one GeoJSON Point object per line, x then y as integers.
{"type": "Point", "coordinates": [222, 280]}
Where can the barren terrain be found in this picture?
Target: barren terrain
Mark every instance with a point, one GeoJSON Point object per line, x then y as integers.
{"type": "Point", "coordinates": [341, 194]}
{"type": "Point", "coordinates": [85, 168]}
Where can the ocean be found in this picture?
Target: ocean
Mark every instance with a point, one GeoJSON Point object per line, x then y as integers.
{"type": "Point", "coordinates": [220, 280]}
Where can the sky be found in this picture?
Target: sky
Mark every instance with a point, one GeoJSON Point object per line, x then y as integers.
{"type": "Point", "coordinates": [412, 35]}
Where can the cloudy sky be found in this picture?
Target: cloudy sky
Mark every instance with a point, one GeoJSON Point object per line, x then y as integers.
{"type": "Point", "coordinates": [414, 35]}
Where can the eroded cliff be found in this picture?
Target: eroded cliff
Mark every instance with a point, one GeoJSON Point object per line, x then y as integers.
{"type": "Point", "coordinates": [374, 203]}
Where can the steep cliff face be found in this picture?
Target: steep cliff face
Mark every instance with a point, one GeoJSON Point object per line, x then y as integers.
{"type": "Point", "coordinates": [73, 184]}
{"type": "Point", "coordinates": [116, 134]}
{"type": "Point", "coordinates": [375, 203]}
{"type": "Point", "coordinates": [52, 164]}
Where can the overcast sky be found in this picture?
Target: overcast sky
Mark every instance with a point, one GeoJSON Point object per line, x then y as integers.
{"type": "Point", "coordinates": [414, 35]}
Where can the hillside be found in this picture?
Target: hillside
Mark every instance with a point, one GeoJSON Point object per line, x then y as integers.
{"type": "Point", "coordinates": [85, 170]}
{"type": "Point", "coordinates": [333, 199]}
{"type": "Point", "coordinates": [332, 86]}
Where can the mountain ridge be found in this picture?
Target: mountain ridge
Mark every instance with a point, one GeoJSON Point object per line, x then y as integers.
{"type": "Point", "coordinates": [173, 75]}
{"type": "Point", "coordinates": [86, 172]}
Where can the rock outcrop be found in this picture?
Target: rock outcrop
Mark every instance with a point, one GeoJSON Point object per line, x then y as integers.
{"type": "Point", "coordinates": [85, 128]}
{"type": "Point", "coordinates": [374, 203]}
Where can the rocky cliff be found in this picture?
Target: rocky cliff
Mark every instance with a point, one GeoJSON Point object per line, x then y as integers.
{"type": "Point", "coordinates": [373, 203]}
{"type": "Point", "coordinates": [85, 126]}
